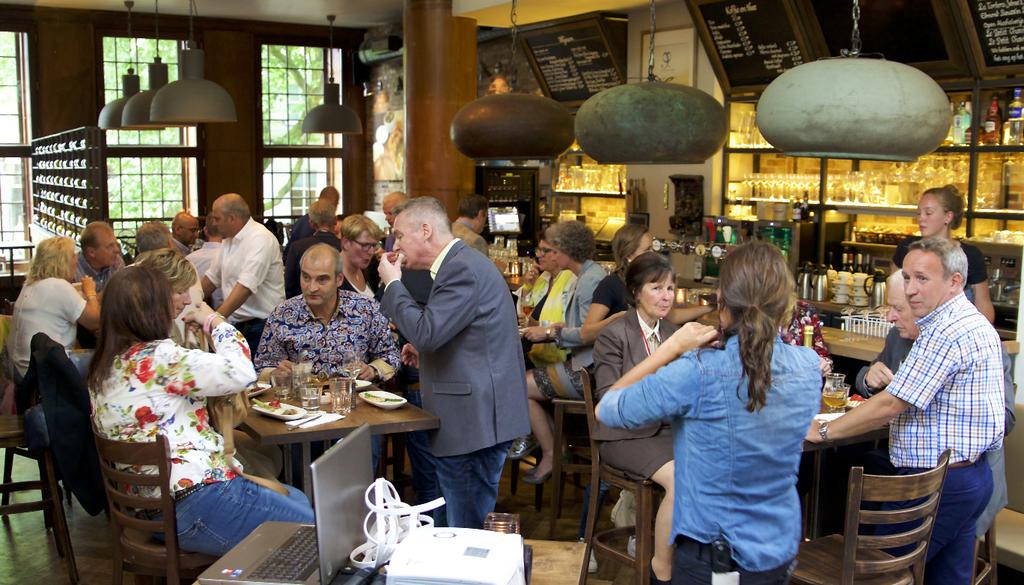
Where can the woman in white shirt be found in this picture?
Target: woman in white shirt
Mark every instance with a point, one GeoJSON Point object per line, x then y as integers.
{"type": "Point", "coordinates": [360, 238]}
{"type": "Point", "coordinates": [48, 303]}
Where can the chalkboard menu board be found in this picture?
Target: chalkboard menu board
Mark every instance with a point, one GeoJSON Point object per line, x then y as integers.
{"type": "Point", "coordinates": [999, 26]}
{"type": "Point", "coordinates": [751, 42]}
{"type": "Point", "coordinates": [576, 60]}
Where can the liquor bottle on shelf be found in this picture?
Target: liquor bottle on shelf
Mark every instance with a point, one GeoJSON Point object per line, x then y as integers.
{"type": "Point", "coordinates": [948, 141]}
{"type": "Point", "coordinates": [992, 125]}
{"type": "Point", "coordinates": [797, 210]}
{"type": "Point", "coordinates": [1014, 119]}
{"type": "Point", "coordinates": [961, 124]}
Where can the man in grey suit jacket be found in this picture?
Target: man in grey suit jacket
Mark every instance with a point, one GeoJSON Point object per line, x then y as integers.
{"type": "Point", "coordinates": [470, 358]}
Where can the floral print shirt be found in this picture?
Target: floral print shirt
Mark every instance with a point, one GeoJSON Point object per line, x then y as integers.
{"type": "Point", "coordinates": [358, 325]}
{"type": "Point", "coordinates": [159, 387]}
{"type": "Point", "coordinates": [805, 314]}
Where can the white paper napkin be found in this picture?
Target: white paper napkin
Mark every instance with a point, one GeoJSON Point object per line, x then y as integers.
{"type": "Point", "coordinates": [327, 417]}
{"type": "Point", "coordinates": [828, 416]}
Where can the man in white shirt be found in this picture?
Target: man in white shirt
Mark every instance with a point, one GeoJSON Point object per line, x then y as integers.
{"type": "Point", "coordinates": [249, 271]}
{"type": "Point", "coordinates": [204, 257]}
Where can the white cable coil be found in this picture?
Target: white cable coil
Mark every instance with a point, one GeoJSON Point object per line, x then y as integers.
{"type": "Point", "coordinates": [392, 521]}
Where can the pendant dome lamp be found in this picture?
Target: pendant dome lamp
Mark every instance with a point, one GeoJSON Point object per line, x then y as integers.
{"type": "Point", "coordinates": [332, 117]}
{"type": "Point", "coordinates": [652, 122]}
{"type": "Point", "coordinates": [854, 107]}
{"type": "Point", "coordinates": [192, 99]}
{"type": "Point", "coordinates": [511, 126]}
{"type": "Point", "coordinates": [110, 115]}
{"type": "Point", "coordinates": [135, 115]}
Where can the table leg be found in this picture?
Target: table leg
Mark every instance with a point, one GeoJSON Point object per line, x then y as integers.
{"type": "Point", "coordinates": [307, 473]}
{"type": "Point", "coordinates": [286, 458]}
{"type": "Point", "coordinates": [812, 511]}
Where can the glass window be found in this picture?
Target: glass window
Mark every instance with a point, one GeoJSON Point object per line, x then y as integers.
{"type": "Point", "coordinates": [144, 188]}
{"type": "Point", "coordinates": [291, 84]}
{"type": "Point", "coordinates": [13, 89]}
{"type": "Point", "coordinates": [15, 138]}
{"type": "Point", "coordinates": [13, 210]}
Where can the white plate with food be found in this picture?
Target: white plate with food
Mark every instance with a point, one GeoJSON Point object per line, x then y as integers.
{"type": "Point", "coordinates": [278, 409]}
{"type": "Point", "coordinates": [364, 384]}
{"type": "Point", "coordinates": [382, 399]}
{"type": "Point", "coordinates": [258, 388]}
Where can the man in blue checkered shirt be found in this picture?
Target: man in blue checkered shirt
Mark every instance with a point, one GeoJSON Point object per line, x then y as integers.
{"type": "Point", "coordinates": [947, 395]}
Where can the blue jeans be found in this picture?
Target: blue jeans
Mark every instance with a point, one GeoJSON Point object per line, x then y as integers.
{"type": "Point", "coordinates": [469, 484]}
{"type": "Point", "coordinates": [218, 516]}
{"type": "Point", "coordinates": [423, 464]}
{"type": "Point", "coordinates": [951, 548]}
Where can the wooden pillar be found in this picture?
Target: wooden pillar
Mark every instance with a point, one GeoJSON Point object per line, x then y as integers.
{"type": "Point", "coordinates": [356, 195]}
{"type": "Point", "coordinates": [440, 77]}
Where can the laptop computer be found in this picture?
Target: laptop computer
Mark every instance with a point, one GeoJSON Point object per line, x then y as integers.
{"type": "Point", "coordinates": [287, 552]}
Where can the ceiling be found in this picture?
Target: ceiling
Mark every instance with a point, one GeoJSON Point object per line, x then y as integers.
{"type": "Point", "coordinates": [351, 13]}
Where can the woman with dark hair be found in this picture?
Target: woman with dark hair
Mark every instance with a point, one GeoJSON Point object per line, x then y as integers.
{"type": "Point", "coordinates": [143, 384]}
{"type": "Point", "coordinates": [647, 451]}
{"type": "Point", "coordinates": [609, 302]}
{"type": "Point", "coordinates": [739, 416]}
{"type": "Point", "coordinates": [940, 211]}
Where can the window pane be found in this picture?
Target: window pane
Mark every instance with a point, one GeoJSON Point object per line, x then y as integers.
{"type": "Point", "coordinates": [143, 188]}
{"type": "Point", "coordinates": [292, 82]}
{"type": "Point", "coordinates": [291, 184]}
{"type": "Point", "coordinates": [120, 53]}
{"type": "Point", "coordinates": [13, 89]}
{"type": "Point", "coordinates": [12, 199]}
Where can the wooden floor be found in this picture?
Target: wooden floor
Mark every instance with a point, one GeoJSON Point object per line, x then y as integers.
{"type": "Point", "coordinates": [28, 555]}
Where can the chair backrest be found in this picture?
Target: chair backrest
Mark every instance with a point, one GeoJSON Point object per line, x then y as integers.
{"type": "Point", "coordinates": [914, 523]}
{"type": "Point", "coordinates": [134, 497]}
{"type": "Point", "coordinates": [588, 399]}
{"type": "Point", "coordinates": [1013, 445]}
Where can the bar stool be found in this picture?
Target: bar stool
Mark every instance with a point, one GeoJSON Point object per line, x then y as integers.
{"type": "Point", "coordinates": [985, 564]}
{"type": "Point", "coordinates": [574, 460]}
{"type": "Point", "coordinates": [12, 440]}
{"type": "Point", "coordinates": [606, 541]}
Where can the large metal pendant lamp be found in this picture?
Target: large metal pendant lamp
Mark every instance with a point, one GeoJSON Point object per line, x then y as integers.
{"type": "Point", "coordinates": [512, 126]}
{"type": "Point", "coordinates": [110, 115]}
{"type": "Point", "coordinates": [332, 116]}
{"type": "Point", "coordinates": [192, 99]}
{"type": "Point", "coordinates": [854, 107]}
{"type": "Point", "coordinates": [135, 115]}
{"type": "Point", "coordinates": [651, 122]}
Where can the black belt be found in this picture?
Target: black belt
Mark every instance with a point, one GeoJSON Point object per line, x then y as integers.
{"type": "Point", "coordinates": [700, 550]}
{"type": "Point", "coordinates": [182, 494]}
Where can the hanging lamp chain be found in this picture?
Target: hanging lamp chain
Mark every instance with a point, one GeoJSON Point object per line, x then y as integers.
{"type": "Point", "coordinates": [191, 15]}
{"type": "Point", "coordinates": [650, 56]}
{"type": "Point", "coordinates": [330, 50]}
{"type": "Point", "coordinates": [513, 17]}
{"type": "Point", "coordinates": [855, 34]}
{"type": "Point", "coordinates": [156, 12]}
{"type": "Point", "coordinates": [129, 4]}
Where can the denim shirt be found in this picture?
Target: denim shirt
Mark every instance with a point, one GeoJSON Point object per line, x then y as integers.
{"type": "Point", "coordinates": [735, 471]}
{"type": "Point", "coordinates": [569, 338]}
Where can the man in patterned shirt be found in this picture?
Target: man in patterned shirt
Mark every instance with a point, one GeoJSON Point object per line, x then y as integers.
{"type": "Point", "coordinates": [948, 394]}
{"type": "Point", "coordinates": [325, 321]}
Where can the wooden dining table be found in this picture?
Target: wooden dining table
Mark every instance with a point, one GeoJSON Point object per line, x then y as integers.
{"type": "Point", "coordinates": [271, 431]}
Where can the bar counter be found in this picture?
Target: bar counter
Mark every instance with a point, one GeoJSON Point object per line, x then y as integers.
{"type": "Point", "coordinates": [866, 348]}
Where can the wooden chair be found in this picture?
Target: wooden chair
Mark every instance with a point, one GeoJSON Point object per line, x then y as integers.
{"type": "Point", "coordinates": [839, 559]}
{"type": "Point", "coordinates": [612, 542]}
{"type": "Point", "coordinates": [574, 460]}
{"type": "Point", "coordinates": [12, 441]}
{"type": "Point", "coordinates": [985, 565]}
{"type": "Point", "coordinates": [135, 549]}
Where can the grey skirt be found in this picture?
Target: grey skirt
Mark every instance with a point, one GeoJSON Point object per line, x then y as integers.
{"type": "Point", "coordinates": [640, 458]}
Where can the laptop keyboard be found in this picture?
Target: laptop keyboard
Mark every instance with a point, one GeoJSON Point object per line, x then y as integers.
{"type": "Point", "coordinates": [294, 562]}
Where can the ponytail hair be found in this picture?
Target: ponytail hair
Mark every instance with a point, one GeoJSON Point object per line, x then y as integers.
{"type": "Point", "coordinates": [756, 289]}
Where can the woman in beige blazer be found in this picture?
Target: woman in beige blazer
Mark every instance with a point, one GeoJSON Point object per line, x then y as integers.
{"type": "Point", "coordinates": [645, 452]}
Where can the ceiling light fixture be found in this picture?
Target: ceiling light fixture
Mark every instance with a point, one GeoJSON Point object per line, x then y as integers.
{"type": "Point", "coordinates": [135, 115]}
{"type": "Point", "coordinates": [854, 108]}
{"type": "Point", "coordinates": [110, 115]}
{"type": "Point", "coordinates": [192, 99]}
{"type": "Point", "coordinates": [332, 117]}
{"type": "Point", "coordinates": [511, 126]}
{"type": "Point", "coordinates": [651, 122]}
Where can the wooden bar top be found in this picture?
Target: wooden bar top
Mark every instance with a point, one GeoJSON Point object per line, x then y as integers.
{"type": "Point", "coordinates": [866, 348]}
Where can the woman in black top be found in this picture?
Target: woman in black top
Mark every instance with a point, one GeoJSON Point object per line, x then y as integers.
{"type": "Point", "coordinates": [940, 211]}
{"type": "Point", "coordinates": [609, 301]}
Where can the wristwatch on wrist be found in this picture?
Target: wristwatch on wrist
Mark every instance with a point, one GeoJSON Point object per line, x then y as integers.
{"type": "Point", "coordinates": [550, 333]}
{"type": "Point", "coordinates": [823, 431]}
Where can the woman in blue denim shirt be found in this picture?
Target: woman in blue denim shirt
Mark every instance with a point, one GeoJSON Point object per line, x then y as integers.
{"type": "Point", "coordinates": [739, 416]}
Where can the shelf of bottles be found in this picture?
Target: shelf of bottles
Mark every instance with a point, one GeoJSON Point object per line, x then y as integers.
{"type": "Point", "coordinates": [578, 174]}
{"type": "Point", "coordinates": [68, 180]}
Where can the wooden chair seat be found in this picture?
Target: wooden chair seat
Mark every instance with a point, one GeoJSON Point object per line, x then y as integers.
{"type": "Point", "coordinates": [139, 545]}
{"type": "Point", "coordinates": [820, 557]}
{"type": "Point", "coordinates": [12, 431]}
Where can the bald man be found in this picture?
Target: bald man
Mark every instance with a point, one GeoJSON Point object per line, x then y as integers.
{"type": "Point", "coordinates": [303, 228]}
{"type": "Point", "coordinates": [391, 201]}
{"type": "Point", "coordinates": [249, 270]}
{"type": "Point", "coordinates": [185, 230]}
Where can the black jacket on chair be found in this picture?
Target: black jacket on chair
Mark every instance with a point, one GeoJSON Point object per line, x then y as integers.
{"type": "Point", "coordinates": [53, 378]}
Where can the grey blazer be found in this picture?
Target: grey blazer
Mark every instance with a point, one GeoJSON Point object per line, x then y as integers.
{"type": "Point", "coordinates": [472, 373]}
{"type": "Point", "coordinates": [618, 348]}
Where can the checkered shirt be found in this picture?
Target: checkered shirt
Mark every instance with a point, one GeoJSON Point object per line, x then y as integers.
{"type": "Point", "coordinates": [953, 381]}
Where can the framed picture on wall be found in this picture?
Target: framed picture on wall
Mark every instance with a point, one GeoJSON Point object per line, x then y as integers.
{"type": "Point", "coordinates": [675, 55]}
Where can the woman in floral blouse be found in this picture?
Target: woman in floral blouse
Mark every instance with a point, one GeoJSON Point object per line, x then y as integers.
{"type": "Point", "coordinates": [143, 384]}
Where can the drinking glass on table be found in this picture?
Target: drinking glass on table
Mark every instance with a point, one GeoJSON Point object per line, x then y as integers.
{"type": "Point", "coordinates": [281, 385]}
{"type": "Point", "coordinates": [351, 365]}
{"type": "Point", "coordinates": [310, 395]}
{"type": "Point", "coordinates": [341, 395]}
{"type": "Point", "coordinates": [834, 393]}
